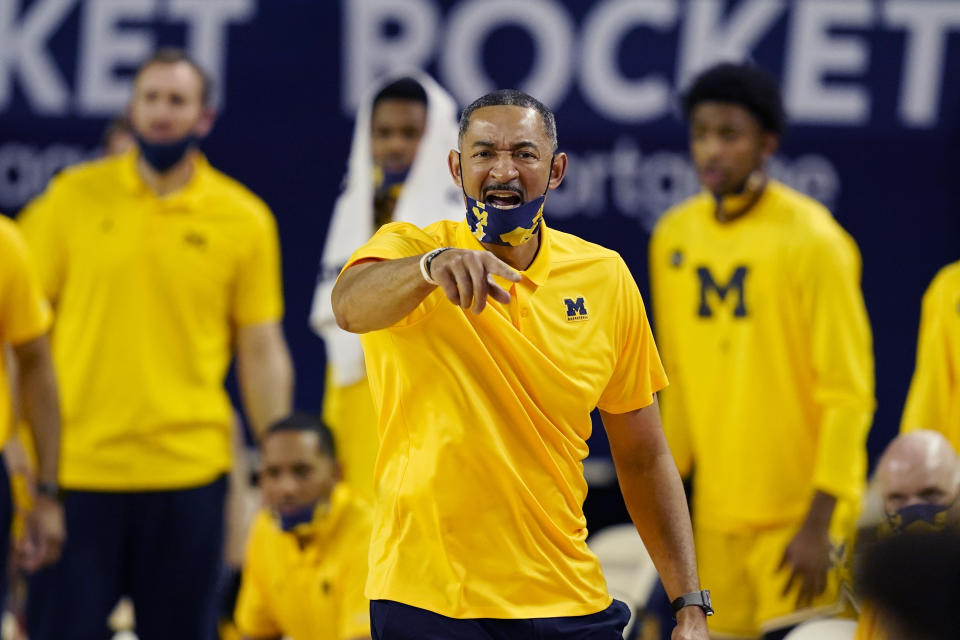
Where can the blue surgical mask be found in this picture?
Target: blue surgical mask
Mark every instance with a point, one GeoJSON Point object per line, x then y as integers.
{"type": "Point", "coordinates": [919, 517]}
{"type": "Point", "coordinates": [164, 155]}
{"type": "Point", "coordinates": [302, 516]}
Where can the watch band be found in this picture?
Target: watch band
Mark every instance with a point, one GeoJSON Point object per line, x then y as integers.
{"type": "Point", "coordinates": [50, 490]}
{"type": "Point", "coordinates": [425, 263]}
{"type": "Point", "coordinates": [693, 599]}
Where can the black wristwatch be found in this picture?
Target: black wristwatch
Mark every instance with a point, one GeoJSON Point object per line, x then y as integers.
{"type": "Point", "coordinates": [693, 599]}
{"type": "Point", "coordinates": [50, 490]}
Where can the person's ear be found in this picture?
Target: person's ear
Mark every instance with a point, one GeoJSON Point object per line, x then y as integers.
{"type": "Point", "coordinates": [453, 163]}
{"type": "Point", "coordinates": [559, 170]}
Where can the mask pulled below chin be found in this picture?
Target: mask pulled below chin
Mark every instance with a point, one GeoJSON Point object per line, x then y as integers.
{"type": "Point", "coordinates": [162, 156]}
{"type": "Point", "coordinates": [300, 517]}
{"type": "Point", "coordinates": [507, 227]}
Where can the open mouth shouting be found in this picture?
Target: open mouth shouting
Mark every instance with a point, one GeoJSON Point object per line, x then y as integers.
{"type": "Point", "coordinates": [503, 196]}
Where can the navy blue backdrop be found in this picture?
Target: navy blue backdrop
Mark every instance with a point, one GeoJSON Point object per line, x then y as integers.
{"type": "Point", "coordinates": [872, 88]}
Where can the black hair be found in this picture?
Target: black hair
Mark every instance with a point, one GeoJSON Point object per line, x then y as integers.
{"type": "Point", "coordinates": [405, 88]}
{"type": "Point", "coordinates": [302, 422]}
{"type": "Point", "coordinates": [914, 578]}
{"type": "Point", "coordinates": [741, 84]}
{"type": "Point", "coordinates": [171, 55]}
{"type": "Point", "coordinates": [511, 97]}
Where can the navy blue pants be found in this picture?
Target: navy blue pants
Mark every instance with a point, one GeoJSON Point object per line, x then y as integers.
{"type": "Point", "coordinates": [164, 549]}
{"type": "Point", "coordinates": [395, 621]}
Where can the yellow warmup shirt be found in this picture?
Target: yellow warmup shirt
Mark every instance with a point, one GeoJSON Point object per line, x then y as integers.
{"type": "Point", "coordinates": [148, 293]}
{"type": "Point", "coordinates": [934, 398]}
{"type": "Point", "coordinates": [24, 312]}
{"type": "Point", "coordinates": [483, 425]}
{"type": "Point", "coordinates": [869, 626]}
{"type": "Point", "coordinates": [763, 329]}
{"type": "Point", "coordinates": [309, 593]}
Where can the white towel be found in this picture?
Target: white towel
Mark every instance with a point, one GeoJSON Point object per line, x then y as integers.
{"type": "Point", "coordinates": [428, 195]}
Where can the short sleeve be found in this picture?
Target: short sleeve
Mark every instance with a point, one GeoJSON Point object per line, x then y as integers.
{"type": "Point", "coordinates": [258, 296]}
{"type": "Point", "coordinates": [393, 241]}
{"type": "Point", "coordinates": [24, 312]}
{"type": "Point", "coordinates": [253, 615]}
{"type": "Point", "coordinates": [638, 373]}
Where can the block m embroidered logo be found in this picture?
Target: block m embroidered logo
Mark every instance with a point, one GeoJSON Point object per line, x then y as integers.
{"type": "Point", "coordinates": [708, 285]}
{"type": "Point", "coordinates": [576, 309]}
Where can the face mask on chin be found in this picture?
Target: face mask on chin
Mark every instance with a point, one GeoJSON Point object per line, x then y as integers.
{"type": "Point", "coordinates": [741, 199]}
{"type": "Point", "coordinates": [300, 517]}
{"type": "Point", "coordinates": [506, 227]}
{"type": "Point", "coordinates": [162, 156]}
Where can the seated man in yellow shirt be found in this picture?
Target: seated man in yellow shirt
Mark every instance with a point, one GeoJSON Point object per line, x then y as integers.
{"type": "Point", "coordinates": [918, 478]}
{"type": "Point", "coordinates": [306, 560]}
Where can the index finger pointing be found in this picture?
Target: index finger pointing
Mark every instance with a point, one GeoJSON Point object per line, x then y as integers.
{"type": "Point", "coordinates": [500, 268]}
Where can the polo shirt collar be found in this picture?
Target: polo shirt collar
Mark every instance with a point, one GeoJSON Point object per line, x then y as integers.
{"type": "Point", "coordinates": [187, 196]}
{"type": "Point", "coordinates": [537, 272]}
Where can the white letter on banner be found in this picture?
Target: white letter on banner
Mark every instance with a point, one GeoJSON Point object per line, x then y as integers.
{"type": "Point", "coordinates": [706, 41]}
{"type": "Point", "coordinates": [369, 53]}
{"type": "Point", "coordinates": [471, 23]}
{"type": "Point", "coordinates": [813, 53]}
{"type": "Point", "coordinates": [927, 23]}
{"type": "Point", "coordinates": [22, 50]}
{"type": "Point", "coordinates": [604, 87]}
{"type": "Point", "coordinates": [206, 40]}
{"type": "Point", "coordinates": [104, 47]}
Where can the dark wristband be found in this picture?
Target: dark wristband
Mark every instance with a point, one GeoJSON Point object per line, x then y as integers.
{"type": "Point", "coordinates": [693, 599]}
{"type": "Point", "coordinates": [50, 490]}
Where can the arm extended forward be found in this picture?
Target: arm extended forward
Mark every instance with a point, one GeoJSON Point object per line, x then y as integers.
{"type": "Point", "coordinates": [373, 295]}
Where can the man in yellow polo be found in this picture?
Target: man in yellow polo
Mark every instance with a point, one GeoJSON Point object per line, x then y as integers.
{"type": "Point", "coordinates": [488, 343]}
{"type": "Point", "coordinates": [306, 560]}
{"type": "Point", "coordinates": [24, 324]}
{"type": "Point", "coordinates": [159, 267]}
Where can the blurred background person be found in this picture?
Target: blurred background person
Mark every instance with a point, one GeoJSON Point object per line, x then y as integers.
{"type": "Point", "coordinates": [934, 398]}
{"type": "Point", "coordinates": [396, 173]}
{"type": "Point", "coordinates": [918, 480]}
{"type": "Point", "coordinates": [306, 560]}
{"type": "Point", "coordinates": [159, 268]}
{"type": "Point", "coordinates": [763, 330]}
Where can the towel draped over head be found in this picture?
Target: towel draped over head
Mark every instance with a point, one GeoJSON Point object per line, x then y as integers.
{"type": "Point", "coordinates": [428, 195]}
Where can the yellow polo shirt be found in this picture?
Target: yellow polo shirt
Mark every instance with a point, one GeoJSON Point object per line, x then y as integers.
{"type": "Point", "coordinates": [763, 328]}
{"type": "Point", "coordinates": [148, 293]}
{"type": "Point", "coordinates": [934, 398]}
{"type": "Point", "coordinates": [483, 424]}
{"type": "Point", "coordinates": [24, 312]}
{"type": "Point", "coordinates": [309, 593]}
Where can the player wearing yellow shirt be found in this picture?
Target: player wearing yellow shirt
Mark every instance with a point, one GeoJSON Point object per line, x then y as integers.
{"type": "Point", "coordinates": [763, 329]}
{"type": "Point", "coordinates": [306, 560]}
{"type": "Point", "coordinates": [159, 267]}
{"type": "Point", "coordinates": [24, 324]}
{"type": "Point", "coordinates": [934, 398]}
{"type": "Point", "coordinates": [488, 343]}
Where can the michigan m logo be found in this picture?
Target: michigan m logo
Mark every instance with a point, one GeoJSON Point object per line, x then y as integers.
{"type": "Point", "coordinates": [735, 283]}
{"type": "Point", "coordinates": [576, 309]}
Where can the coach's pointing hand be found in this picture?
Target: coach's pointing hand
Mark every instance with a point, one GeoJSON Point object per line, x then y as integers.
{"type": "Point", "coordinates": [467, 276]}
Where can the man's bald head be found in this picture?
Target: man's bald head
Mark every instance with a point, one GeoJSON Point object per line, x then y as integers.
{"type": "Point", "coordinates": [919, 467]}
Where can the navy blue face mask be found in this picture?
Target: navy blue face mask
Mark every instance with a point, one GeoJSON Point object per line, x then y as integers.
{"type": "Point", "coordinates": [303, 515]}
{"type": "Point", "coordinates": [506, 227]}
{"type": "Point", "coordinates": [162, 156]}
{"type": "Point", "coordinates": [919, 517]}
